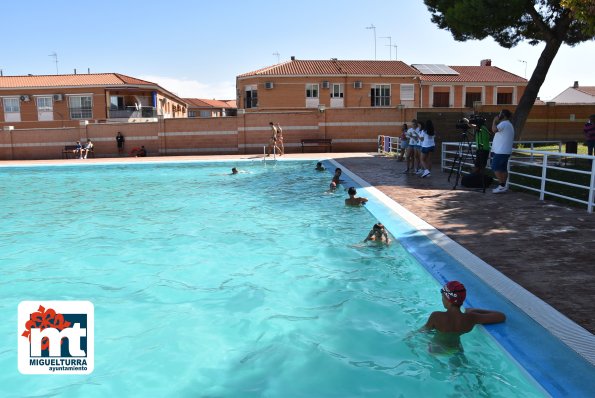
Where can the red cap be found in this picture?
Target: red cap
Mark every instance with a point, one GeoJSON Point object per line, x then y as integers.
{"type": "Point", "coordinates": [455, 292]}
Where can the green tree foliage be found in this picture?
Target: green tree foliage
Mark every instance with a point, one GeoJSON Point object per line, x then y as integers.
{"type": "Point", "coordinates": [583, 10]}
{"type": "Point", "coordinates": [509, 22]}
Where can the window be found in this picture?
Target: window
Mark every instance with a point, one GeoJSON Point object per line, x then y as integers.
{"type": "Point", "coordinates": [407, 92]}
{"type": "Point", "coordinates": [251, 97]}
{"type": "Point", "coordinates": [80, 106]}
{"type": "Point", "coordinates": [504, 99]}
{"type": "Point", "coordinates": [205, 113]}
{"type": "Point", "coordinates": [12, 109]}
{"type": "Point", "coordinates": [12, 105]}
{"type": "Point", "coordinates": [337, 91]}
{"type": "Point", "coordinates": [312, 90]}
{"type": "Point", "coordinates": [441, 100]}
{"type": "Point", "coordinates": [380, 95]}
{"type": "Point", "coordinates": [191, 114]}
{"type": "Point", "coordinates": [45, 104]}
{"type": "Point", "coordinates": [470, 98]}
{"type": "Point", "coordinates": [116, 103]}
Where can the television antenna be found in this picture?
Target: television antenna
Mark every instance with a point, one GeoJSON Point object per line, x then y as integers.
{"type": "Point", "coordinates": [55, 60]}
{"type": "Point", "coordinates": [389, 45]}
{"type": "Point", "coordinates": [373, 28]}
{"type": "Point", "coordinates": [276, 53]}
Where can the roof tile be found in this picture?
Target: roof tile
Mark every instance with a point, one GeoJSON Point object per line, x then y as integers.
{"type": "Point", "coordinates": [476, 74]}
{"type": "Point", "coordinates": [95, 79]}
{"type": "Point", "coordinates": [335, 67]}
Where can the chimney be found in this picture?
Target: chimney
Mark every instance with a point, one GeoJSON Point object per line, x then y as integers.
{"type": "Point", "coordinates": [88, 73]}
{"type": "Point", "coordinates": [75, 71]}
{"type": "Point", "coordinates": [575, 84]}
{"type": "Point", "coordinates": [293, 57]}
{"type": "Point", "coordinates": [485, 62]}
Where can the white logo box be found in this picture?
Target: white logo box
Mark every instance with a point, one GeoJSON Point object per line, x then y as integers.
{"type": "Point", "coordinates": [80, 362]}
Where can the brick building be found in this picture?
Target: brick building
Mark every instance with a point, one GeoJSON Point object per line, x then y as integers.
{"type": "Point", "coordinates": [66, 100]}
{"type": "Point", "coordinates": [303, 84]}
{"type": "Point", "coordinates": [198, 107]}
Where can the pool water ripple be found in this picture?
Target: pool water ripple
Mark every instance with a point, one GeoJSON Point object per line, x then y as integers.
{"type": "Point", "coordinates": [207, 284]}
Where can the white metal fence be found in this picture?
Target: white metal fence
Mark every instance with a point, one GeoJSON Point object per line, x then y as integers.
{"type": "Point", "coordinates": [535, 168]}
{"type": "Point", "coordinates": [388, 145]}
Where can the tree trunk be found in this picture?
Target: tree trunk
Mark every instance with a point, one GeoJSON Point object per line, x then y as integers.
{"type": "Point", "coordinates": [537, 78]}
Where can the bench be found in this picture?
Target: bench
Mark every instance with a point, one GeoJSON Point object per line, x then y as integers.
{"type": "Point", "coordinates": [317, 143]}
{"type": "Point", "coordinates": [69, 150]}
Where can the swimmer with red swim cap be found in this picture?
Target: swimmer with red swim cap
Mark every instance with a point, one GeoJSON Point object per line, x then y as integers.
{"type": "Point", "coordinates": [452, 323]}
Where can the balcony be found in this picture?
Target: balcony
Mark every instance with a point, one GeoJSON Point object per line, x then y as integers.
{"type": "Point", "coordinates": [132, 112]}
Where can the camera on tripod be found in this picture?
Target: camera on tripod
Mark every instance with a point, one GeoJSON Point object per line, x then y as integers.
{"type": "Point", "coordinates": [474, 121]}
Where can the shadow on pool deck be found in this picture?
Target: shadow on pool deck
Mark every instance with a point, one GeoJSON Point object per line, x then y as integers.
{"type": "Point", "coordinates": [546, 247]}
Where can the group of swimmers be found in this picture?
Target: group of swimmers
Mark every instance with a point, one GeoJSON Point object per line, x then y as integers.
{"type": "Point", "coordinates": [378, 233]}
{"type": "Point", "coordinates": [449, 325]}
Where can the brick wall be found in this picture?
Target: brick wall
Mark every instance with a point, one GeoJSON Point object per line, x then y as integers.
{"type": "Point", "coordinates": [351, 129]}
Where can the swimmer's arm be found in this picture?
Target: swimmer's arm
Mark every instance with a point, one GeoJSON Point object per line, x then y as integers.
{"type": "Point", "coordinates": [369, 237]}
{"type": "Point", "coordinates": [486, 316]}
{"type": "Point", "coordinates": [430, 324]}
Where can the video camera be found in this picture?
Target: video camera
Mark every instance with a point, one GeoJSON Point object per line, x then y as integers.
{"type": "Point", "coordinates": [472, 121]}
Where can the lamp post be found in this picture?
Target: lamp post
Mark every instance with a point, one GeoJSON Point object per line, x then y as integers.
{"type": "Point", "coordinates": [525, 62]}
{"type": "Point", "coordinates": [373, 28]}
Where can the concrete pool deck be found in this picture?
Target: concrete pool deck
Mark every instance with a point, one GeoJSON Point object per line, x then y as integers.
{"type": "Point", "coordinates": [546, 247]}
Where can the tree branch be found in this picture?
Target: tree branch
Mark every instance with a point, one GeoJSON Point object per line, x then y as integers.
{"type": "Point", "coordinates": [536, 17]}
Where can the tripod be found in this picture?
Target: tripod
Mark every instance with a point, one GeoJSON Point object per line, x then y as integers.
{"type": "Point", "coordinates": [464, 152]}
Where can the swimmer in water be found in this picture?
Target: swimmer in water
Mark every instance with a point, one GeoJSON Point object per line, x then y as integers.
{"type": "Point", "coordinates": [452, 323]}
{"type": "Point", "coordinates": [353, 200]}
{"type": "Point", "coordinates": [378, 234]}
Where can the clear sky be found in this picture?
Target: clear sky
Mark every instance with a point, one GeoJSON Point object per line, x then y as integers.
{"type": "Point", "coordinates": [197, 48]}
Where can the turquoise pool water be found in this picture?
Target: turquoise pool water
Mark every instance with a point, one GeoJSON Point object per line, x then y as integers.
{"type": "Point", "coordinates": [207, 284]}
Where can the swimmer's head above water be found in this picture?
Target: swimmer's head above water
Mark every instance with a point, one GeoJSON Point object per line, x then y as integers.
{"type": "Point", "coordinates": [454, 292]}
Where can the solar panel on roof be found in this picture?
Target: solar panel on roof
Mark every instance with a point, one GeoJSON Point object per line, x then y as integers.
{"type": "Point", "coordinates": [435, 69]}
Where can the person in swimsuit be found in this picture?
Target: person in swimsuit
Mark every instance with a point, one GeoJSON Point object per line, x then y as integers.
{"type": "Point", "coordinates": [378, 234]}
{"type": "Point", "coordinates": [353, 200]}
{"type": "Point", "coordinates": [279, 140]}
{"type": "Point", "coordinates": [452, 323]}
{"type": "Point", "coordinates": [273, 140]}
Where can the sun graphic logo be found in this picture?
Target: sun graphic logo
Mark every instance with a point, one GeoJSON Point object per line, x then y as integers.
{"type": "Point", "coordinates": [55, 337]}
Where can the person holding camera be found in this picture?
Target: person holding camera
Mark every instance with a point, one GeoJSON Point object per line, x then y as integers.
{"type": "Point", "coordinates": [502, 148]}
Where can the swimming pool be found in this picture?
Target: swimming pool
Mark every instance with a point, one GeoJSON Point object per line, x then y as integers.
{"type": "Point", "coordinates": [207, 284]}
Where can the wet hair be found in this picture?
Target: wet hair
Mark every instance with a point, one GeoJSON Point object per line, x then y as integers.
{"type": "Point", "coordinates": [351, 191]}
{"type": "Point", "coordinates": [429, 127]}
{"type": "Point", "coordinates": [338, 169]}
{"type": "Point", "coordinates": [378, 226]}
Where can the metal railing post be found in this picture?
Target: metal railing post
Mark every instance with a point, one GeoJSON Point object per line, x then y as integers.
{"type": "Point", "coordinates": [543, 177]}
{"type": "Point", "coordinates": [591, 187]}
